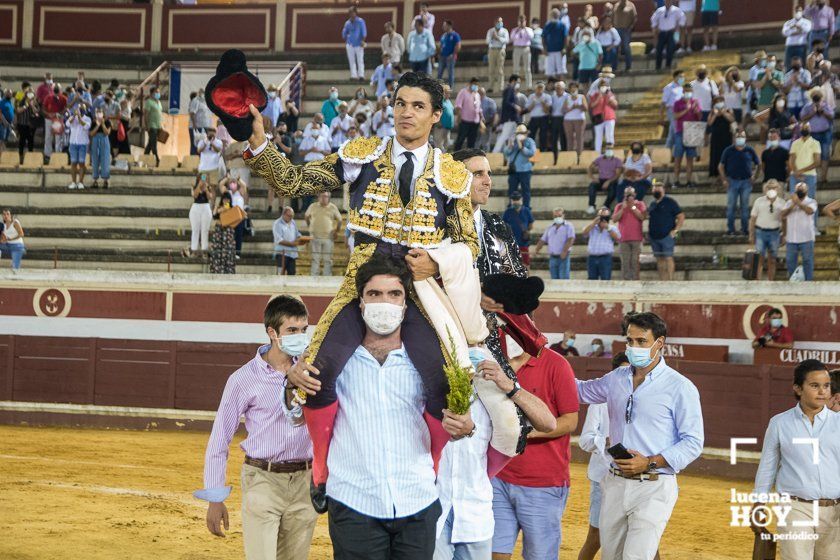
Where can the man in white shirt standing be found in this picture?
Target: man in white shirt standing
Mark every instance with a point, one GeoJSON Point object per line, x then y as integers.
{"type": "Point", "coordinates": [497, 40]}
{"type": "Point", "coordinates": [801, 459]}
{"type": "Point", "coordinates": [688, 7]}
{"type": "Point", "coordinates": [274, 106]}
{"type": "Point", "coordinates": [286, 242]}
{"type": "Point", "coordinates": [705, 90]}
{"type": "Point", "coordinates": [665, 22]}
{"type": "Point", "coordinates": [209, 154]}
{"type": "Point", "coordinates": [79, 125]}
{"type": "Point", "coordinates": [200, 118]}
{"type": "Point", "coordinates": [796, 33]}
{"type": "Point", "coordinates": [655, 414]}
{"type": "Point", "coordinates": [392, 43]}
{"type": "Point", "coordinates": [800, 214]}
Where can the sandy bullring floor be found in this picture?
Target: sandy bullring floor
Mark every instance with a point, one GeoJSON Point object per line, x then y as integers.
{"type": "Point", "coordinates": [102, 495]}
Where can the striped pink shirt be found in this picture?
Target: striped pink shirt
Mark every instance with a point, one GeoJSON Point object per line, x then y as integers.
{"type": "Point", "coordinates": [274, 433]}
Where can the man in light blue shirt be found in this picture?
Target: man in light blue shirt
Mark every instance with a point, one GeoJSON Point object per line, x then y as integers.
{"type": "Point", "coordinates": [354, 34]}
{"type": "Point", "coordinates": [381, 75]}
{"type": "Point", "coordinates": [381, 495]}
{"type": "Point", "coordinates": [801, 459]}
{"type": "Point", "coordinates": [655, 414]}
{"type": "Point", "coordinates": [518, 153]}
{"type": "Point", "coordinates": [421, 47]}
{"type": "Point", "coordinates": [286, 235]}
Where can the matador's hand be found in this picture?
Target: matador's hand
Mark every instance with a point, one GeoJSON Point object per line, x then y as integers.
{"type": "Point", "coordinates": [421, 265]}
{"type": "Point", "coordinates": [258, 130]}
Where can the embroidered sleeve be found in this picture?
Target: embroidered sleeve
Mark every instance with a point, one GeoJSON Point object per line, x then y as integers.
{"type": "Point", "coordinates": [292, 180]}
{"type": "Point", "coordinates": [460, 225]}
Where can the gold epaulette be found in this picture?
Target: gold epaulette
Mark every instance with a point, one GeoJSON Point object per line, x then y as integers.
{"type": "Point", "coordinates": [362, 150]}
{"type": "Point", "coordinates": [452, 177]}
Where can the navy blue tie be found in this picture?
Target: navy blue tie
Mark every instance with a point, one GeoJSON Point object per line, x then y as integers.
{"type": "Point", "coordinates": [406, 173]}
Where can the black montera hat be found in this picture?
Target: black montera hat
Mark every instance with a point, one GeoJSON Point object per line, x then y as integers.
{"type": "Point", "coordinates": [230, 92]}
{"type": "Point", "coordinates": [518, 295]}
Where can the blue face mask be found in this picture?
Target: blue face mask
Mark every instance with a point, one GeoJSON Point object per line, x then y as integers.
{"type": "Point", "coordinates": [570, 343]}
{"type": "Point", "coordinates": [498, 25]}
{"type": "Point", "coordinates": [476, 357]}
{"type": "Point", "coordinates": [294, 344]}
{"type": "Point", "coordinates": [775, 323]}
{"type": "Point", "coordinates": [638, 356]}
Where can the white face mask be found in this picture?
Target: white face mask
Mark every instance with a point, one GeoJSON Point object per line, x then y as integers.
{"type": "Point", "coordinates": [383, 318]}
{"type": "Point", "coordinates": [719, 106]}
{"type": "Point", "coordinates": [780, 105]}
{"type": "Point", "coordinates": [521, 137]}
{"type": "Point", "coordinates": [798, 15]}
{"type": "Point", "coordinates": [688, 95]}
{"type": "Point", "coordinates": [586, 38]}
{"type": "Point", "coordinates": [559, 221]}
{"type": "Point", "coordinates": [774, 144]}
{"type": "Point", "coordinates": [603, 89]}
{"type": "Point", "coordinates": [272, 94]}
{"type": "Point", "coordinates": [608, 153]}
{"type": "Point", "coordinates": [771, 193]}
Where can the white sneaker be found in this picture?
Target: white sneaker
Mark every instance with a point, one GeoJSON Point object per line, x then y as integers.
{"type": "Point", "coordinates": [714, 48]}
{"type": "Point", "coordinates": [688, 50]}
{"type": "Point", "coordinates": [679, 51]}
{"type": "Point", "coordinates": [590, 210]}
{"type": "Point", "coordinates": [706, 48]}
{"type": "Point", "coordinates": [71, 186]}
{"type": "Point", "coordinates": [80, 185]}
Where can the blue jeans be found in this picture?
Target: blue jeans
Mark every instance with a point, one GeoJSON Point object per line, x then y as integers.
{"type": "Point", "coordinates": [521, 180]}
{"type": "Point", "coordinates": [792, 257]}
{"type": "Point", "coordinates": [558, 267]}
{"type": "Point", "coordinates": [611, 56]}
{"type": "Point", "coordinates": [538, 512]}
{"type": "Point", "coordinates": [445, 549]}
{"type": "Point", "coordinates": [447, 62]}
{"type": "Point", "coordinates": [739, 191]}
{"type": "Point", "coordinates": [811, 181]}
{"type": "Point", "coordinates": [626, 37]}
{"type": "Point", "coordinates": [16, 250]}
{"type": "Point", "coordinates": [100, 157]}
{"type": "Point", "coordinates": [796, 50]}
{"type": "Point", "coordinates": [767, 242]}
{"type": "Point", "coordinates": [599, 267]}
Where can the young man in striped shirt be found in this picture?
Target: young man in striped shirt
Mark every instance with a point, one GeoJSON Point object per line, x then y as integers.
{"type": "Point", "coordinates": [277, 515]}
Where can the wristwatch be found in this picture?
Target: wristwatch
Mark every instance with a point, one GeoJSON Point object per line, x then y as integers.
{"type": "Point", "coordinates": [472, 432]}
{"type": "Point", "coordinates": [516, 388]}
{"type": "Point", "coordinates": [651, 466]}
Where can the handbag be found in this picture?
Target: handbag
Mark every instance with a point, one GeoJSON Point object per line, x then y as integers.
{"type": "Point", "coordinates": [232, 216]}
{"type": "Point", "coordinates": [120, 132]}
{"type": "Point", "coordinates": [162, 135]}
{"type": "Point", "coordinates": [596, 119]}
{"type": "Point", "coordinates": [694, 134]}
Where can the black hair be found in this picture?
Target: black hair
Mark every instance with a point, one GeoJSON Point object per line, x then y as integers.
{"type": "Point", "coordinates": [468, 153]}
{"type": "Point", "coordinates": [354, 9]}
{"type": "Point", "coordinates": [153, 89]}
{"type": "Point", "coordinates": [420, 22]}
{"type": "Point", "coordinates": [677, 73]}
{"type": "Point", "coordinates": [618, 359]}
{"type": "Point", "coordinates": [425, 82]}
{"type": "Point", "coordinates": [774, 311]}
{"type": "Point", "coordinates": [647, 321]}
{"type": "Point", "coordinates": [835, 381]}
{"type": "Point", "coordinates": [193, 94]}
{"type": "Point", "coordinates": [449, 22]}
{"type": "Point", "coordinates": [800, 373]}
{"type": "Point", "coordinates": [513, 78]}
{"type": "Point", "coordinates": [474, 80]}
{"type": "Point", "coordinates": [281, 308]}
{"type": "Point", "coordinates": [382, 264]}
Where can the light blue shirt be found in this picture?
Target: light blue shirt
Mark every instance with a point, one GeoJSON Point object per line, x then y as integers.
{"type": "Point", "coordinates": [790, 467]}
{"type": "Point", "coordinates": [420, 47]}
{"type": "Point", "coordinates": [521, 158]}
{"type": "Point", "coordinates": [666, 416]}
{"type": "Point", "coordinates": [285, 231]}
{"type": "Point", "coordinates": [381, 75]}
{"type": "Point", "coordinates": [380, 462]}
{"type": "Point", "coordinates": [671, 93]}
{"type": "Point", "coordinates": [354, 32]}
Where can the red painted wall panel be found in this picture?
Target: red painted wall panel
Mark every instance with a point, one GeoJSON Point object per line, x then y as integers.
{"type": "Point", "coordinates": [53, 369]}
{"type": "Point", "coordinates": [118, 305]}
{"type": "Point", "coordinates": [92, 26]}
{"type": "Point", "coordinates": [17, 301]}
{"type": "Point", "coordinates": [133, 373]}
{"type": "Point", "coordinates": [218, 27]}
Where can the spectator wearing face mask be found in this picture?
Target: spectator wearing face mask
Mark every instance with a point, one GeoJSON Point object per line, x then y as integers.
{"type": "Point", "coordinates": [781, 119]}
{"type": "Point", "coordinates": [597, 349]}
{"type": "Point", "coordinates": [630, 214]}
{"type": "Point", "coordinates": [497, 40]}
{"type": "Point", "coordinates": [329, 108]}
{"type": "Point", "coordinates": [420, 46]}
{"type": "Point", "coordinates": [705, 90]}
{"type": "Point", "coordinates": [53, 107]}
{"type": "Point", "coordinates": [796, 83]}
{"type": "Point", "coordinates": [274, 106]}
{"type": "Point", "coordinates": [815, 56]}
{"type": "Point", "coordinates": [732, 90]}
{"type": "Point", "coordinates": [511, 113]}
{"type": "Point", "coordinates": [210, 154]}
{"type": "Point", "coordinates": [26, 119]}
{"type": "Point", "coordinates": [153, 110]}
{"type": "Point", "coordinates": [638, 168]}
{"type": "Point", "coordinates": [518, 153]}
{"type": "Point", "coordinates": [468, 115]}
{"type": "Point", "coordinates": [774, 159]}
{"type": "Point", "coordinates": [601, 245]}
{"type": "Point", "coordinates": [238, 191]}
{"type": "Point", "coordinates": [559, 237]}
{"type": "Point", "coordinates": [686, 110]}
{"type": "Point", "coordinates": [666, 219]}
{"type": "Point", "coordinates": [590, 55]}
{"type": "Point", "coordinates": [536, 45]}
{"type": "Point", "coordinates": [766, 227]}
{"type": "Point", "coordinates": [796, 32]}
{"type": "Point", "coordinates": [671, 93]}
{"type": "Point", "coordinates": [199, 118]}
{"type": "Point", "coordinates": [566, 347]}
{"type": "Point", "coordinates": [361, 105]}
{"type": "Point", "coordinates": [100, 149]}
{"type": "Point", "coordinates": [800, 214]}
{"type": "Point", "coordinates": [603, 105]}
{"type": "Point", "coordinates": [719, 128]}
{"type": "Point", "coordinates": [539, 107]}
{"type": "Point", "coordinates": [555, 37]}
{"type": "Point", "coordinates": [823, 22]}
{"type": "Point", "coordinates": [608, 168]}
{"type": "Point", "coordinates": [521, 222]}
{"type": "Point", "coordinates": [79, 124]}
{"type": "Point", "coordinates": [339, 127]}
{"type": "Point", "coordinates": [520, 38]}
{"type": "Point", "coordinates": [575, 110]}
{"type": "Point", "coordinates": [820, 119]}
{"type": "Point", "coordinates": [768, 83]}
{"type": "Point", "coordinates": [610, 41]}
{"type": "Point", "coordinates": [665, 22]}
{"type": "Point", "coordinates": [774, 333]}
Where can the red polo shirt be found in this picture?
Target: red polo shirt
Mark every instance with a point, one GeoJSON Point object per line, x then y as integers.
{"type": "Point", "coordinates": [55, 103]}
{"type": "Point", "coordinates": [781, 335]}
{"type": "Point", "coordinates": [545, 462]}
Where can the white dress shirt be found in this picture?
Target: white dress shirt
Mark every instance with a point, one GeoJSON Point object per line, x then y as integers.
{"type": "Point", "coordinates": [420, 154]}
{"type": "Point", "coordinates": [796, 31]}
{"type": "Point", "coordinates": [535, 104]}
{"type": "Point", "coordinates": [209, 154]}
{"type": "Point", "coordinates": [557, 103]}
{"type": "Point", "coordinates": [800, 225]}
{"type": "Point", "coordinates": [666, 416]}
{"type": "Point", "coordinates": [593, 439]}
{"type": "Point", "coordinates": [667, 20]}
{"type": "Point", "coordinates": [790, 466]}
{"type": "Point", "coordinates": [704, 92]}
{"type": "Point", "coordinates": [285, 231]}
{"type": "Point", "coordinates": [380, 460]}
{"type": "Point", "coordinates": [463, 484]}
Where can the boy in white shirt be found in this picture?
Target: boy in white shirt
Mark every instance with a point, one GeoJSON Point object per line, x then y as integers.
{"type": "Point", "coordinates": [79, 125]}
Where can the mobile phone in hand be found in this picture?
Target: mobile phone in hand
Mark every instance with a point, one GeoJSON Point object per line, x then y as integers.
{"type": "Point", "coordinates": [618, 451]}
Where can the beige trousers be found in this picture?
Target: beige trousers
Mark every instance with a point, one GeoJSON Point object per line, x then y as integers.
{"type": "Point", "coordinates": [277, 515]}
{"type": "Point", "coordinates": [496, 69]}
{"type": "Point", "coordinates": [811, 543]}
{"type": "Point", "coordinates": [522, 64]}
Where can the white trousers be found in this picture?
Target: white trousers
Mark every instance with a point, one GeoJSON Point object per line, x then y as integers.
{"type": "Point", "coordinates": [634, 515]}
{"type": "Point", "coordinates": [811, 543]}
{"type": "Point", "coordinates": [356, 58]}
{"type": "Point", "coordinates": [322, 254]}
{"type": "Point", "coordinates": [506, 134]}
{"type": "Point", "coordinates": [604, 131]}
{"type": "Point", "coordinates": [201, 217]}
{"type": "Point", "coordinates": [53, 143]}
